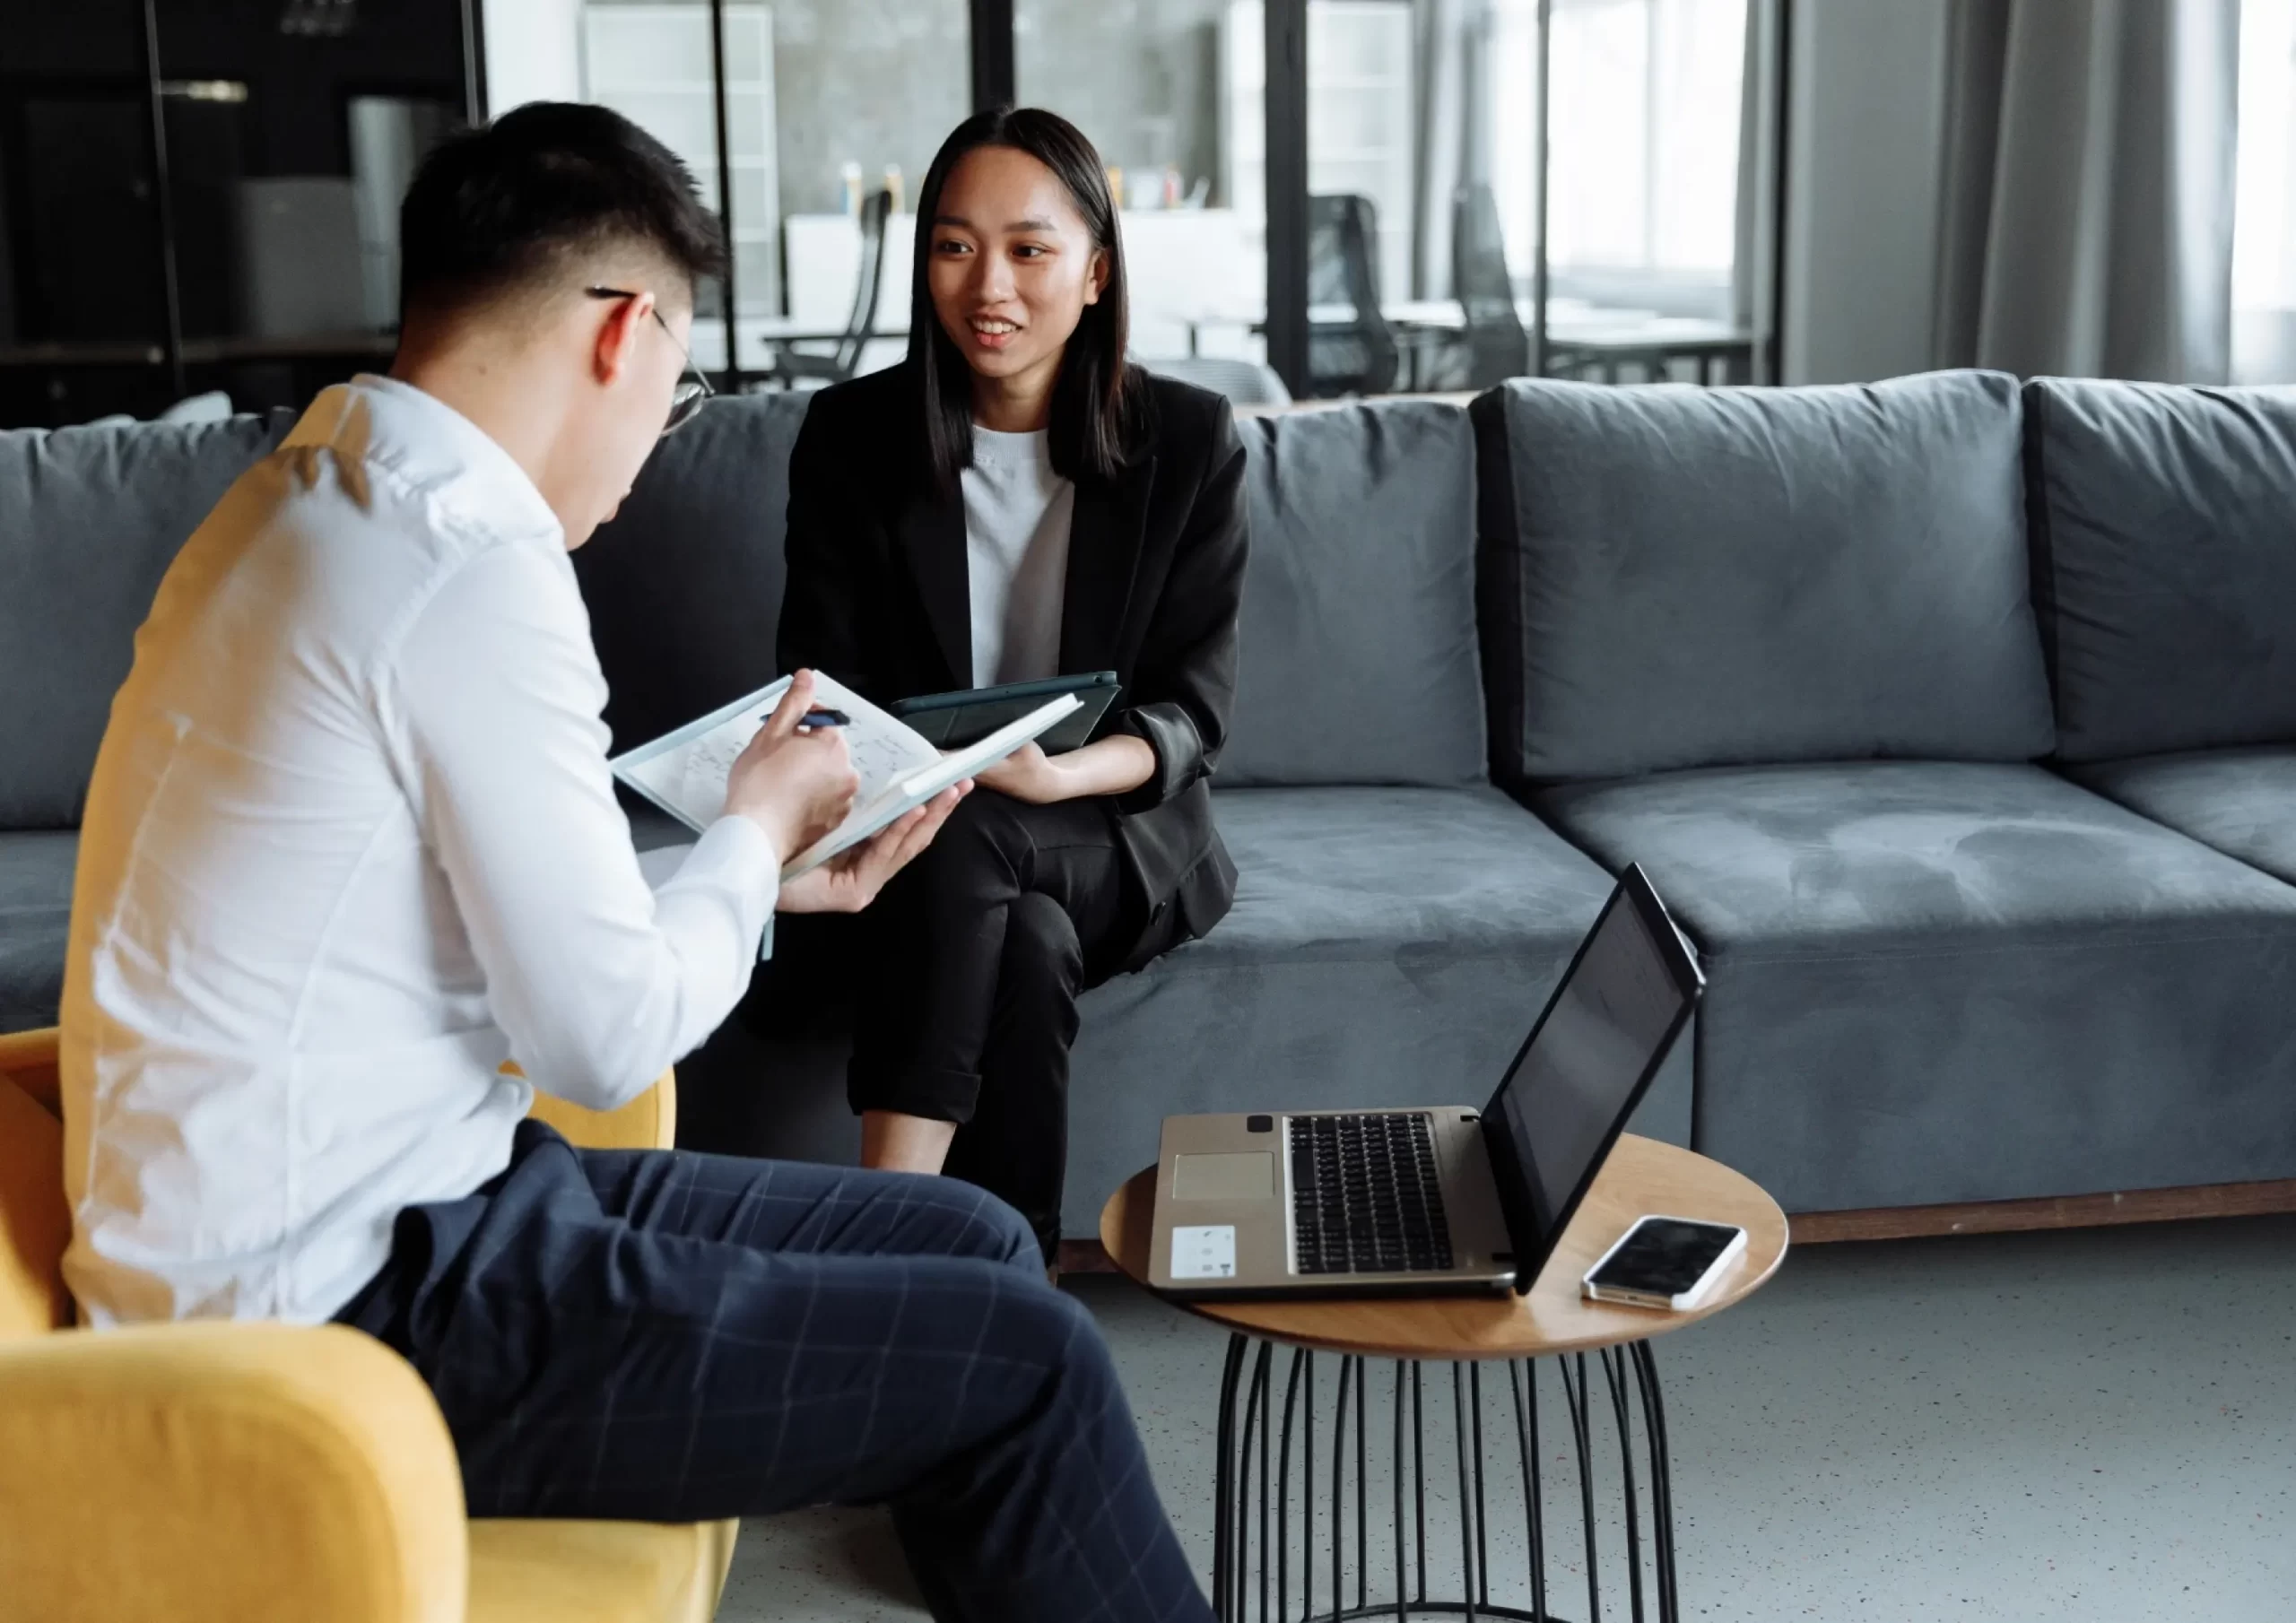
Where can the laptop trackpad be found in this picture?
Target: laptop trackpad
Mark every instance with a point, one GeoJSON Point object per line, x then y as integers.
{"type": "Point", "coordinates": [1249, 1176]}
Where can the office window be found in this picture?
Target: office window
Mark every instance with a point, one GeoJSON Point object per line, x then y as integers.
{"type": "Point", "coordinates": [2264, 232]}
{"type": "Point", "coordinates": [1423, 120]}
{"type": "Point", "coordinates": [1648, 104]}
{"type": "Point", "coordinates": [1143, 80]}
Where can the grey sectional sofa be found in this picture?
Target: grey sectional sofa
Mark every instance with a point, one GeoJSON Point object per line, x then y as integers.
{"type": "Point", "coordinates": [1954, 720]}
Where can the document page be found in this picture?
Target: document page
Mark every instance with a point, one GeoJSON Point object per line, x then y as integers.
{"type": "Point", "coordinates": [685, 772]}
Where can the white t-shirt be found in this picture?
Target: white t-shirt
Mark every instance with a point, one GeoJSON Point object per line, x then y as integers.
{"type": "Point", "coordinates": [1017, 516]}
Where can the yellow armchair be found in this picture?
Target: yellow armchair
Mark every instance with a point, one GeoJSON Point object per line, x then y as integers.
{"type": "Point", "coordinates": [243, 1473]}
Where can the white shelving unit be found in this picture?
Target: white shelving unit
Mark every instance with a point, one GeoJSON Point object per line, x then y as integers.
{"type": "Point", "coordinates": [650, 61]}
{"type": "Point", "coordinates": [1360, 110]}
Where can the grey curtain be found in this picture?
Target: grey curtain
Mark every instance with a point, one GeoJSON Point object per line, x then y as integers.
{"type": "Point", "coordinates": [1454, 132]}
{"type": "Point", "coordinates": [2088, 186]}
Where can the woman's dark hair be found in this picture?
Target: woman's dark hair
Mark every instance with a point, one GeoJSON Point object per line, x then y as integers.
{"type": "Point", "coordinates": [503, 207]}
{"type": "Point", "coordinates": [1100, 402]}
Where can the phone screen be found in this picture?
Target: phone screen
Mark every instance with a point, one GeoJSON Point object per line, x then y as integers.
{"type": "Point", "coordinates": [1663, 1256]}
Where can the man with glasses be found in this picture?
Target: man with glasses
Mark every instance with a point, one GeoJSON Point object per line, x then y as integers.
{"type": "Point", "coordinates": [352, 846]}
{"type": "Point", "coordinates": [692, 390]}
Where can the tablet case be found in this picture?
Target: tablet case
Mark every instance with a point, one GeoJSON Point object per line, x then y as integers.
{"type": "Point", "coordinates": [951, 720]}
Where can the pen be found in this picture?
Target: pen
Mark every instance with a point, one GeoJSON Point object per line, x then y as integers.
{"type": "Point", "coordinates": [825, 719]}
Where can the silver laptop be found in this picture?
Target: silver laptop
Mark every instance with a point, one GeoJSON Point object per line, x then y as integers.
{"type": "Point", "coordinates": [1449, 1200]}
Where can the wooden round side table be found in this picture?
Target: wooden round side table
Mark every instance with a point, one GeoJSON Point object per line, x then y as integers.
{"type": "Point", "coordinates": [1554, 1323]}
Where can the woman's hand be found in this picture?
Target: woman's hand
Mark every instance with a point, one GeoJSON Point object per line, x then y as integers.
{"type": "Point", "coordinates": [850, 880]}
{"type": "Point", "coordinates": [1117, 763]}
{"type": "Point", "coordinates": [1029, 775]}
{"type": "Point", "coordinates": [794, 783]}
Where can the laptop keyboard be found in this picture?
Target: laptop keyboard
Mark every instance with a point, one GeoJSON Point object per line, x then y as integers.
{"type": "Point", "coordinates": [1365, 1197]}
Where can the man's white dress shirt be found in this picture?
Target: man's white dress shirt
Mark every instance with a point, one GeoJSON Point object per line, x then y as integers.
{"type": "Point", "coordinates": [352, 843]}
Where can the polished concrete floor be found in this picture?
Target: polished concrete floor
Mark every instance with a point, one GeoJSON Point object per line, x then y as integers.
{"type": "Point", "coordinates": [2095, 1425]}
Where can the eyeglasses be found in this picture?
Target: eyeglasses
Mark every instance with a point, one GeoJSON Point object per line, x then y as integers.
{"type": "Point", "coordinates": [686, 403]}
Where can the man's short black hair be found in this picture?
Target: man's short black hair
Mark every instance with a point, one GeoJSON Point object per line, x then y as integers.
{"type": "Point", "coordinates": [500, 207]}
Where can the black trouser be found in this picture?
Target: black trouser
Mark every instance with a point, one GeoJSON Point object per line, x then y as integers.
{"type": "Point", "coordinates": [978, 952]}
{"type": "Point", "coordinates": [657, 1335]}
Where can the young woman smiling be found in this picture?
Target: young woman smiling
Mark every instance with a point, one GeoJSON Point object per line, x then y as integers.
{"type": "Point", "coordinates": [1017, 501]}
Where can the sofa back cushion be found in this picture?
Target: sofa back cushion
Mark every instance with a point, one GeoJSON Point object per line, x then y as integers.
{"type": "Point", "coordinates": [90, 519]}
{"type": "Point", "coordinates": [684, 586]}
{"type": "Point", "coordinates": [2163, 522]}
{"type": "Point", "coordinates": [1677, 577]}
{"type": "Point", "coordinates": [1356, 662]}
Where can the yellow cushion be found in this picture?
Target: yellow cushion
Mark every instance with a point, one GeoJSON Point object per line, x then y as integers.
{"type": "Point", "coordinates": [35, 1224]}
{"type": "Point", "coordinates": [224, 1473]}
{"type": "Point", "coordinates": [648, 1121]}
{"type": "Point", "coordinates": [597, 1572]}
{"type": "Point", "coordinates": [27, 1059]}
{"type": "Point", "coordinates": [252, 1472]}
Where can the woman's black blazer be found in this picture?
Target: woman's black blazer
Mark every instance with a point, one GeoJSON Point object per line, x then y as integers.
{"type": "Point", "coordinates": [878, 597]}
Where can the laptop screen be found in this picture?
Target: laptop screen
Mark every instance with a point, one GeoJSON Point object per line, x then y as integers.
{"type": "Point", "coordinates": [1585, 1066]}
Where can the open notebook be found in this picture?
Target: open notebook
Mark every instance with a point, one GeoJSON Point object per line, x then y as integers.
{"type": "Point", "coordinates": [685, 772]}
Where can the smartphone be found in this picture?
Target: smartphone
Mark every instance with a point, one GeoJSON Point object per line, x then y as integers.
{"type": "Point", "coordinates": [1665, 1262]}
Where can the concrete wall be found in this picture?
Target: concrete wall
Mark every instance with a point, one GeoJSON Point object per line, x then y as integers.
{"type": "Point", "coordinates": [869, 82]}
{"type": "Point", "coordinates": [1866, 148]}
{"type": "Point", "coordinates": [1140, 77]}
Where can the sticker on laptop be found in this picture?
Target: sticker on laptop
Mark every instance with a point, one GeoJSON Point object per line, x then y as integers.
{"type": "Point", "coordinates": [1205, 1251]}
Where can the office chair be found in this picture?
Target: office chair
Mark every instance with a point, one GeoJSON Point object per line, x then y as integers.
{"type": "Point", "coordinates": [1497, 346]}
{"type": "Point", "coordinates": [789, 365]}
{"type": "Point", "coordinates": [1360, 355]}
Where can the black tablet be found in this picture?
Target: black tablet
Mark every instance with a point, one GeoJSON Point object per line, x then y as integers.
{"type": "Point", "coordinates": [951, 720]}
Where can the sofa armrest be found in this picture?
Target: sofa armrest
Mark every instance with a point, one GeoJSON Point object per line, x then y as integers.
{"type": "Point", "coordinates": [648, 1121]}
{"type": "Point", "coordinates": [28, 1060]}
{"type": "Point", "coordinates": [225, 1473]}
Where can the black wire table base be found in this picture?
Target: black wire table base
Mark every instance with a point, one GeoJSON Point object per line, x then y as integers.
{"type": "Point", "coordinates": [1290, 1576]}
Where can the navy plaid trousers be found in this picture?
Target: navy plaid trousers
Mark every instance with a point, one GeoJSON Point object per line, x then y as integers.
{"type": "Point", "coordinates": [657, 1335]}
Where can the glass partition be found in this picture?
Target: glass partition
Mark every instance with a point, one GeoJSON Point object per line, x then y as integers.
{"type": "Point", "coordinates": [1424, 145]}
{"type": "Point", "coordinates": [826, 102]}
{"type": "Point", "coordinates": [1170, 93]}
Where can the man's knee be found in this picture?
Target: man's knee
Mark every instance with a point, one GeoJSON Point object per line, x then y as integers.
{"type": "Point", "coordinates": [992, 1231]}
{"type": "Point", "coordinates": [1063, 1339]}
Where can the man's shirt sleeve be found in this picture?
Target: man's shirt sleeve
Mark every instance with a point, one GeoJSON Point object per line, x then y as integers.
{"type": "Point", "coordinates": [492, 700]}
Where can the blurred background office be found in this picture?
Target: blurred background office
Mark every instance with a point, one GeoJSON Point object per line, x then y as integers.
{"type": "Point", "coordinates": [1321, 197]}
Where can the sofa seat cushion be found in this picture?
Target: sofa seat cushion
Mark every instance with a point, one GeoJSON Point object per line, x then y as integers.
{"type": "Point", "coordinates": [35, 916]}
{"type": "Point", "coordinates": [2164, 563]}
{"type": "Point", "coordinates": [2241, 801]}
{"type": "Point", "coordinates": [1387, 946]}
{"type": "Point", "coordinates": [1390, 874]}
{"type": "Point", "coordinates": [1941, 981]}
